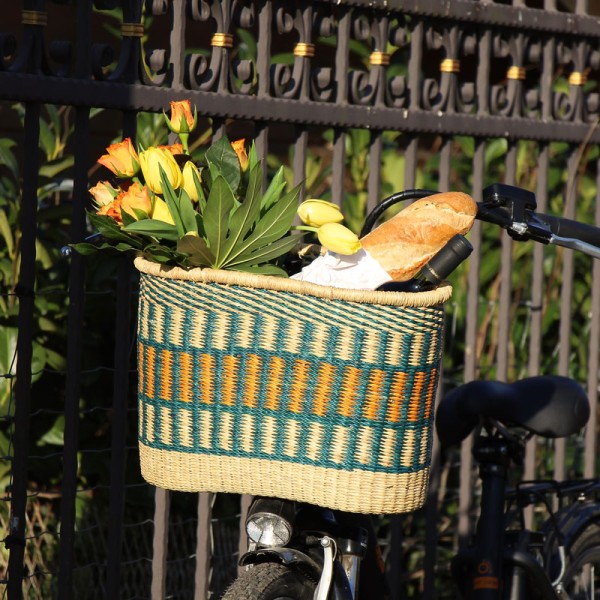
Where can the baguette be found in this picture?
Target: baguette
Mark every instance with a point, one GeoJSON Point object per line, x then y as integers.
{"type": "Point", "coordinates": [406, 242]}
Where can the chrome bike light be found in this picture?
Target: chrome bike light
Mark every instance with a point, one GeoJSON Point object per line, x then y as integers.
{"type": "Point", "coordinates": [269, 522]}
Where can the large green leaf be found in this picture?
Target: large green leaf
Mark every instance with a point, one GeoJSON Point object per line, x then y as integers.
{"type": "Point", "coordinates": [266, 253]}
{"type": "Point", "coordinates": [245, 216]}
{"type": "Point", "coordinates": [222, 156]}
{"type": "Point", "coordinates": [155, 228]}
{"type": "Point", "coordinates": [199, 253]}
{"type": "Point", "coordinates": [272, 226]}
{"type": "Point", "coordinates": [219, 204]}
{"type": "Point", "coordinates": [263, 270]}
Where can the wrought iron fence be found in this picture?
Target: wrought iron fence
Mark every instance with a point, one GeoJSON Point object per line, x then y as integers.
{"type": "Point", "coordinates": [360, 98]}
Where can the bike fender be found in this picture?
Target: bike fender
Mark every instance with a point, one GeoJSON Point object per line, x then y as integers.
{"type": "Point", "coordinates": [286, 556]}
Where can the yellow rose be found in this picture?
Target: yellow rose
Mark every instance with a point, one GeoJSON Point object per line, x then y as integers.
{"type": "Point", "coordinates": [121, 159]}
{"type": "Point", "coordinates": [160, 211]}
{"type": "Point", "coordinates": [182, 120]}
{"type": "Point", "coordinates": [315, 212]}
{"type": "Point", "coordinates": [152, 160]}
{"type": "Point", "coordinates": [136, 198]}
{"type": "Point", "coordinates": [190, 173]}
{"type": "Point", "coordinates": [103, 193]}
{"type": "Point", "coordinates": [337, 238]}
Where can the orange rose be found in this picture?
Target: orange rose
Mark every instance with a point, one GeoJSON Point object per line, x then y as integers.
{"type": "Point", "coordinates": [240, 149]}
{"type": "Point", "coordinates": [136, 198]}
{"type": "Point", "coordinates": [122, 159]}
{"type": "Point", "coordinates": [103, 193]}
{"type": "Point", "coordinates": [173, 148]}
{"type": "Point", "coordinates": [182, 120]}
{"type": "Point", "coordinates": [113, 210]}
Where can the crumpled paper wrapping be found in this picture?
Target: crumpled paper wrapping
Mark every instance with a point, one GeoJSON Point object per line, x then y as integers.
{"type": "Point", "coordinates": [356, 272]}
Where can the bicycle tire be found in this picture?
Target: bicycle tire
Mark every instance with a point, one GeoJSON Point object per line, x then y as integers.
{"type": "Point", "coordinates": [270, 581]}
{"type": "Point", "coordinates": [581, 539]}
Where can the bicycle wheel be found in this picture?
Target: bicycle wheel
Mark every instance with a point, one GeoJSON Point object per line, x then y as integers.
{"type": "Point", "coordinates": [270, 581]}
{"type": "Point", "coordinates": [581, 580]}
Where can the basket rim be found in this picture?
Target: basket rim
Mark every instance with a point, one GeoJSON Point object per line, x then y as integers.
{"type": "Point", "coordinates": [268, 282]}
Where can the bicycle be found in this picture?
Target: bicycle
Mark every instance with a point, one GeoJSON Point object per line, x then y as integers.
{"type": "Point", "coordinates": [297, 551]}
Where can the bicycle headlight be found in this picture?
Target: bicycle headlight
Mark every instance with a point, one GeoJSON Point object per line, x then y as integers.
{"type": "Point", "coordinates": [268, 529]}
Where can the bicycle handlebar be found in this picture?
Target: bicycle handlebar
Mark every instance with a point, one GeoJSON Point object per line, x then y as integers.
{"type": "Point", "coordinates": [513, 209]}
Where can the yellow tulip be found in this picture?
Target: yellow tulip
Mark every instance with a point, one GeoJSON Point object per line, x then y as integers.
{"type": "Point", "coordinates": [189, 181]}
{"type": "Point", "coordinates": [121, 159]}
{"type": "Point", "coordinates": [318, 212]}
{"type": "Point", "coordinates": [152, 160]}
{"type": "Point", "coordinates": [337, 238]}
{"type": "Point", "coordinates": [160, 211]}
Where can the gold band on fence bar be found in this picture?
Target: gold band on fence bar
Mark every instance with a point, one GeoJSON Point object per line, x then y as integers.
{"type": "Point", "coordinates": [34, 17]}
{"type": "Point", "coordinates": [304, 49]}
{"type": "Point", "coordinates": [222, 40]}
{"type": "Point", "coordinates": [577, 78]}
{"type": "Point", "coordinates": [515, 72]}
{"type": "Point", "coordinates": [379, 58]}
{"type": "Point", "coordinates": [450, 65]}
{"type": "Point", "coordinates": [132, 30]}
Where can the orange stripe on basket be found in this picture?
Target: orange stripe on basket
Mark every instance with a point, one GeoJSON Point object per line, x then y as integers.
{"type": "Point", "coordinates": [252, 380]}
{"type": "Point", "coordinates": [414, 404]}
{"type": "Point", "coordinates": [299, 385]}
{"type": "Point", "coordinates": [273, 392]}
{"type": "Point", "coordinates": [323, 389]}
{"type": "Point", "coordinates": [397, 397]}
{"type": "Point", "coordinates": [348, 393]}
{"type": "Point", "coordinates": [230, 380]}
{"type": "Point", "coordinates": [207, 369]}
{"type": "Point", "coordinates": [430, 393]}
{"type": "Point", "coordinates": [185, 376]}
{"type": "Point", "coordinates": [141, 368]}
{"type": "Point", "coordinates": [166, 374]}
{"type": "Point", "coordinates": [150, 364]}
{"type": "Point", "coordinates": [374, 394]}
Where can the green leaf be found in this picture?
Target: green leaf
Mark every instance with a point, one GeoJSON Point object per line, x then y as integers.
{"type": "Point", "coordinates": [216, 217]}
{"type": "Point", "coordinates": [263, 270]}
{"type": "Point", "coordinates": [266, 253]}
{"type": "Point", "coordinates": [273, 225]}
{"type": "Point", "coordinates": [155, 228]}
{"type": "Point", "coordinates": [172, 202]}
{"type": "Point", "coordinates": [274, 190]}
{"type": "Point", "coordinates": [54, 168]}
{"type": "Point", "coordinates": [111, 230]}
{"type": "Point", "coordinates": [6, 232]}
{"type": "Point", "coordinates": [253, 159]}
{"type": "Point", "coordinates": [127, 218]}
{"type": "Point", "coordinates": [7, 156]}
{"type": "Point", "coordinates": [199, 253]}
{"type": "Point", "coordinates": [222, 156]}
{"type": "Point", "coordinates": [245, 216]}
{"type": "Point", "coordinates": [187, 212]}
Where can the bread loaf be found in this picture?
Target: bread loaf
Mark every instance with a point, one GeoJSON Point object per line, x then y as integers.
{"type": "Point", "coordinates": [406, 242]}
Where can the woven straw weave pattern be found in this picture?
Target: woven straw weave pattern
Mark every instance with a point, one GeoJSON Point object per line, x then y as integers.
{"type": "Point", "coordinates": [262, 379]}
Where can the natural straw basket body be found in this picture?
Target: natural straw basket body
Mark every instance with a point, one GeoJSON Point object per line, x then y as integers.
{"type": "Point", "coordinates": [269, 386]}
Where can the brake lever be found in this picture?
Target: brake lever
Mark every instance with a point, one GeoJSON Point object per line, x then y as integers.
{"type": "Point", "coordinates": [575, 244]}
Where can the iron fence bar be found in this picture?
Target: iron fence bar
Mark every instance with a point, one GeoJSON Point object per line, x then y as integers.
{"type": "Point", "coordinates": [445, 164]}
{"type": "Point", "coordinates": [566, 294]}
{"type": "Point", "coordinates": [203, 546]}
{"type": "Point", "coordinates": [26, 293]}
{"type": "Point", "coordinates": [30, 88]}
{"type": "Point", "coordinates": [74, 352]}
{"type": "Point", "coordinates": [338, 166]}
{"type": "Point", "coordinates": [299, 159]}
{"type": "Point", "coordinates": [488, 13]}
{"type": "Point", "coordinates": [593, 380]}
{"type": "Point", "coordinates": [160, 544]}
{"type": "Point", "coordinates": [373, 180]}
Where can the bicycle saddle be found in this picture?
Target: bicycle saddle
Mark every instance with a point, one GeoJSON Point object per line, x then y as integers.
{"type": "Point", "coordinates": [549, 405]}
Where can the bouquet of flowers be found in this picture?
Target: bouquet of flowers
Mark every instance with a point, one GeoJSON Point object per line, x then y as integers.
{"type": "Point", "coordinates": [211, 213]}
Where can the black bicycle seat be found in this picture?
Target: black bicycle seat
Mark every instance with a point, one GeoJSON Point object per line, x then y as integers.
{"type": "Point", "coordinates": [550, 405]}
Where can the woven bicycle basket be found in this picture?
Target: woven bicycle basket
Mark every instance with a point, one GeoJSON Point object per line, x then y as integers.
{"type": "Point", "coordinates": [269, 386]}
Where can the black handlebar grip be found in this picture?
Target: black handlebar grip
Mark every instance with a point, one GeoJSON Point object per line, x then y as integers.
{"type": "Point", "coordinates": [568, 228]}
